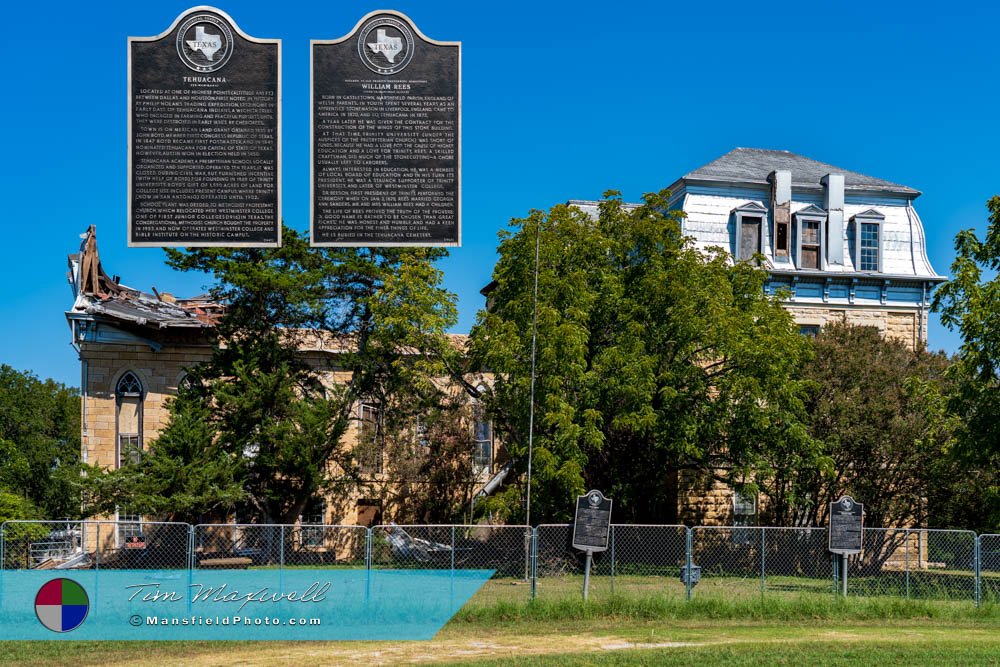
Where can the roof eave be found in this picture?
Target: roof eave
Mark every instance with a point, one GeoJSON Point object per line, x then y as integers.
{"type": "Point", "coordinates": [901, 190]}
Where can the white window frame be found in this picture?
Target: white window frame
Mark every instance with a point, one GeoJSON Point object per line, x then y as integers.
{"type": "Point", "coordinates": [129, 385]}
{"type": "Point", "coordinates": [311, 532]}
{"type": "Point", "coordinates": [811, 214]}
{"type": "Point", "coordinates": [749, 210]}
{"type": "Point", "coordinates": [132, 526]}
{"type": "Point", "coordinates": [869, 217]}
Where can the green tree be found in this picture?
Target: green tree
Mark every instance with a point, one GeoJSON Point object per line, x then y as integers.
{"type": "Point", "coordinates": [185, 475]}
{"type": "Point", "coordinates": [655, 359]}
{"type": "Point", "coordinates": [970, 304]}
{"type": "Point", "coordinates": [39, 445]}
{"type": "Point", "coordinates": [872, 407]}
{"type": "Point", "coordinates": [293, 316]}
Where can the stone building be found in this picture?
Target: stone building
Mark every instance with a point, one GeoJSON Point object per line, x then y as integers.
{"type": "Point", "coordinates": [840, 245]}
{"type": "Point", "coordinates": [844, 246]}
{"type": "Point", "coordinates": [134, 349]}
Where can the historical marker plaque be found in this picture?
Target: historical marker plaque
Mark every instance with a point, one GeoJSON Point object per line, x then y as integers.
{"type": "Point", "coordinates": [846, 526]}
{"type": "Point", "coordinates": [592, 523]}
{"type": "Point", "coordinates": [204, 135]}
{"type": "Point", "coordinates": [386, 137]}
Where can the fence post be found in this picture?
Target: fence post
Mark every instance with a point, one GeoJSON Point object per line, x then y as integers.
{"type": "Point", "coordinates": [978, 565]}
{"type": "Point", "coordinates": [453, 549]}
{"type": "Point", "coordinates": [763, 556]}
{"type": "Point", "coordinates": [281, 548]}
{"type": "Point", "coordinates": [612, 559]}
{"type": "Point", "coordinates": [534, 562]}
{"type": "Point", "coordinates": [97, 545]}
{"type": "Point", "coordinates": [368, 565]}
{"type": "Point", "coordinates": [191, 561]}
{"type": "Point", "coordinates": [907, 552]}
{"type": "Point", "coordinates": [688, 548]}
{"type": "Point", "coordinates": [836, 573]}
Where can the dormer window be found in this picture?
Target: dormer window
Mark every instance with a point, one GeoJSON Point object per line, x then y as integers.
{"type": "Point", "coordinates": [868, 241]}
{"type": "Point", "coordinates": [749, 225]}
{"type": "Point", "coordinates": [811, 237]}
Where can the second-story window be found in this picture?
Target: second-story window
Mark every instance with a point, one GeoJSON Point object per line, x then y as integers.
{"type": "Point", "coordinates": [369, 448]}
{"type": "Point", "coordinates": [482, 438]}
{"type": "Point", "coordinates": [869, 247]}
{"type": "Point", "coordinates": [749, 237]}
{"type": "Point", "coordinates": [867, 241]}
{"type": "Point", "coordinates": [749, 229]}
{"type": "Point", "coordinates": [812, 245]}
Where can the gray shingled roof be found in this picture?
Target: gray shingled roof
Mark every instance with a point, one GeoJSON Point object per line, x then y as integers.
{"type": "Point", "coordinates": [755, 164]}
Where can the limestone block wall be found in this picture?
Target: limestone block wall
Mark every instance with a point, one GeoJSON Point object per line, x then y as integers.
{"type": "Point", "coordinates": [906, 324]}
{"type": "Point", "coordinates": [103, 365]}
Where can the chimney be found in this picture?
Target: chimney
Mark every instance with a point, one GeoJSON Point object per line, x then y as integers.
{"type": "Point", "coordinates": [833, 191]}
{"type": "Point", "coordinates": [781, 207]}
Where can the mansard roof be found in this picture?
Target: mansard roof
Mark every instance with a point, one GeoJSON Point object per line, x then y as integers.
{"type": "Point", "coordinates": [754, 165]}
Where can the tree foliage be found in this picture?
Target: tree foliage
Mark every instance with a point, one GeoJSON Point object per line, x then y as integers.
{"type": "Point", "coordinates": [654, 357]}
{"type": "Point", "coordinates": [39, 447]}
{"type": "Point", "coordinates": [970, 304]}
{"type": "Point", "coordinates": [872, 410]}
{"type": "Point", "coordinates": [278, 430]}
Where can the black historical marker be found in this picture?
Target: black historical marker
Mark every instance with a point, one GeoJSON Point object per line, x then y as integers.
{"type": "Point", "coordinates": [846, 526]}
{"type": "Point", "coordinates": [592, 523]}
{"type": "Point", "coordinates": [204, 135]}
{"type": "Point", "coordinates": [386, 137]}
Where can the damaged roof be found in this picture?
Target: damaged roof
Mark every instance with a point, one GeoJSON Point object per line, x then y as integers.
{"type": "Point", "coordinates": [99, 295]}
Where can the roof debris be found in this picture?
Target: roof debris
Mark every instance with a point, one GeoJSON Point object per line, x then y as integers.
{"type": "Point", "coordinates": [99, 295]}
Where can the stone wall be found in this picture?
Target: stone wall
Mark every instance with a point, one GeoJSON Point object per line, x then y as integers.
{"type": "Point", "coordinates": [902, 324]}
{"type": "Point", "coordinates": [103, 366]}
{"type": "Point", "coordinates": [161, 371]}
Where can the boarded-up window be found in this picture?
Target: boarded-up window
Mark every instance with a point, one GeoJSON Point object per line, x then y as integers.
{"type": "Point", "coordinates": [810, 245]}
{"type": "Point", "coordinates": [749, 237]}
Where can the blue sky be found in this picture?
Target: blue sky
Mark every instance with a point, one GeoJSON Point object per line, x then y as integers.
{"type": "Point", "coordinates": [560, 101]}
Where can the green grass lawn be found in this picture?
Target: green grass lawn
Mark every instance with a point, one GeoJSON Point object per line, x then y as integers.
{"type": "Point", "coordinates": [613, 630]}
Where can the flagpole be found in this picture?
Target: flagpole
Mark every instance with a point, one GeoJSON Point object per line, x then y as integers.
{"type": "Point", "coordinates": [531, 407]}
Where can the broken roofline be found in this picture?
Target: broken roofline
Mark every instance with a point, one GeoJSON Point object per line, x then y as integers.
{"type": "Point", "coordinates": [102, 299]}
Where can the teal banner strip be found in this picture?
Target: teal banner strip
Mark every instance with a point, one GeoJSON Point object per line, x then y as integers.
{"type": "Point", "coordinates": [289, 604]}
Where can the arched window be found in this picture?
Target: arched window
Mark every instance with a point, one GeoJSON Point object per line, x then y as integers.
{"type": "Point", "coordinates": [128, 418]}
{"type": "Point", "coordinates": [128, 425]}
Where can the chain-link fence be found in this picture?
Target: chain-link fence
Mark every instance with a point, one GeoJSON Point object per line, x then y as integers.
{"type": "Point", "coordinates": [75, 545]}
{"type": "Point", "coordinates": [240, 546]}
{"type": "Point", "coordinates": [505, 550]}
{"type": "Point", "coordinates": [915, 563]}
{"type": "Point", "coordinates": [730, 561]}
{"type": "Point", "coordinates": [989, 568]}
{"type": "Point", "coordinates": [641, 560]}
